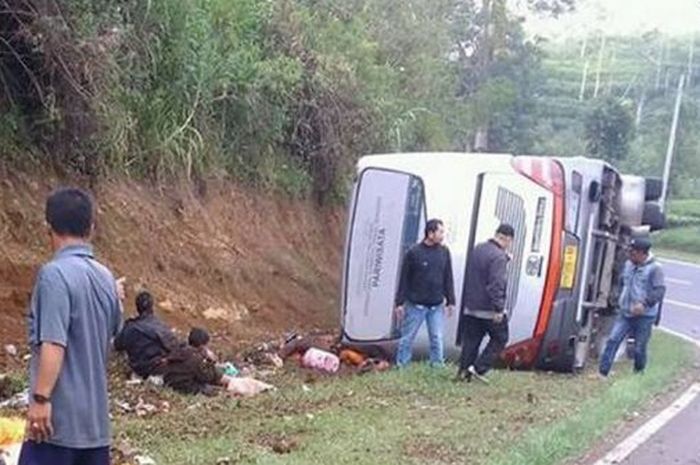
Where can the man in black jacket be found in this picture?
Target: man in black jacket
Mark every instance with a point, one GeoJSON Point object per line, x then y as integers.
{"type": "Point", "coordinates": [426, 284]}
{"type": "Point", "coordinates": [484, 304]}
{"type": "Point", "coordinates": [146, 339]}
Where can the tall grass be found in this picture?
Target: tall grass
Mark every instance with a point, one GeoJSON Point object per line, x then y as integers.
{"type": "Point", "coordinates": [283, 94]}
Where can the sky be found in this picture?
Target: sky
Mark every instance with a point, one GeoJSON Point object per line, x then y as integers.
{"type": "Point", "coordinates": [621, 17]}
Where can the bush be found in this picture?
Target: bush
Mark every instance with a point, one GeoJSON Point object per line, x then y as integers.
{"type": "Point", "coordinates": [685, 239]}
{"type": "Point", "coordinates": [280, 94]}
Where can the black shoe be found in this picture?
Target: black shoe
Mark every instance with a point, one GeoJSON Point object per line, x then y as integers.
{"type": "Point", "coordinates": [472, 372]}
{"type": "Point", "coordinates": [463, 375]}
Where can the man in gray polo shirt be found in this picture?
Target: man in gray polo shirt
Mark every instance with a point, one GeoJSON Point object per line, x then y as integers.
{"type": "Point", "coordinates": [75, 312]}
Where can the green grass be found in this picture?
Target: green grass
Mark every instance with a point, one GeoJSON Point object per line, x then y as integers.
{"type": "Point", "coordinates": [682, 238]}
{"type": "Point", "coordinates": [677, 255]}
{"type": "Point", "coordinates": [685, 239]}
{"type": "Point", "coordinates": [684, 207]}
{"type": "Point", "coordinates": [414, 416]}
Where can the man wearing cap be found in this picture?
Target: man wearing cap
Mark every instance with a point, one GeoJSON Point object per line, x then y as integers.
{"type": "Point", "coordinates": [486, 281]}
{"type": "Point", "coordinates": [643, 288]}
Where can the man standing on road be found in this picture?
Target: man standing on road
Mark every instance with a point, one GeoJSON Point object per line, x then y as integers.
{"type": "Point", "coordinates": [75, 312]}
{"type": "Point", "coordinates": [643, 289]}
{"type": "Point", "coordinates": [426, 285]}
{"type": "Point", "coordinates": [484, 306]}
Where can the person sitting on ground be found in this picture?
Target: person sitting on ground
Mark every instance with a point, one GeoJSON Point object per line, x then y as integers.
{"type": "Point", "coordinates": [146, 340]}
{"type": "Point", "coordinates": [199, 339]}
{"type": "Point", "coordinates": [192, 369]}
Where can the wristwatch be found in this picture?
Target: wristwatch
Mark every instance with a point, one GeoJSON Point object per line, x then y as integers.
{"type": "Point", "coordinates": [40, 399]}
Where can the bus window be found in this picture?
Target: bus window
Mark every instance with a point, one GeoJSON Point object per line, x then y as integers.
{"type": "Point", "coordinates": [573, 201]}
{"type": "Point", "coordinates": [510, 208]}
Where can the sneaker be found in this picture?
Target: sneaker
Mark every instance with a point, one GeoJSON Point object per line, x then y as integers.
{"type": "Point", "coordinates": [462, 376]}
{"type": "Point", "coordinates": [475, 374]}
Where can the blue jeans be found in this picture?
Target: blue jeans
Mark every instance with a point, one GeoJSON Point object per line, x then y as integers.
{"type": "Point", "coordinates": [48, 454]}
{"type": "Point", "coordinates": [638, 327]}
{"type": "Point", "coordinates": [413, 318]}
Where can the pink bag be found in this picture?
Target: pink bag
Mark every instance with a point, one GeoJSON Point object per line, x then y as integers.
{"type": "Point", "coordinates": [320, 360]}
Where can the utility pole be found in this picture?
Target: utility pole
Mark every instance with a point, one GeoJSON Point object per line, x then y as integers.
{"type": "Point", "coordinates": [600, 64]}
{"type": "Point", "coordinates": [640, 109]}
{"type": "Point", "coordinates": [691, 52]}
{"type": "Point", "coordinates": [671, 142]}
{"type": "Point", "coordinates": [611, 66]}
{"type": "Point", "coordinates": [584, 72]}
{"type": "Point", "coordinates": [584, 77]}
{"type": "Point", "coordinates": [659, 61]}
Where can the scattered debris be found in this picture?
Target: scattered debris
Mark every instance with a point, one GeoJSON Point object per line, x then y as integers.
{"type": "Point", "coordinates": [144, 460]}
{"type": "Point", "coordinates": [19, 400]}
{"type": "Point", "coordinates": [156, 380]}
{"type": "Point", "coordinates": [237, 313]}
{"type": "Point", "coordinates": [123, 452]}
{"type": "Point", "coordinates": [321, 360]}
{"type": "Point", "coordinates": [143, 408]}
{"type": "Point", "coordinates": [230, 369]}
{"type": "Point", "coordinates": [284, 446]}
{"type": "Point", "coordinates": [295, 345]}
{"type": "Point", "coordinates": [167, 306]}
{"type": "Point", "coordinates": [352, 357]}
{"type": "Point", "coordinates": [9, 454]}
{"type": "Point", "coordinates": [275, 360]}
{"type": "Point", "coordinates": [247, 387]}
{"type": "Point", "coordinates": [11, 350]}
{"type": "Point", "coordinates": [374, 365]}
{"type": "Point", "coordinates": [217, 314]}
{"type": "Point", "coordinates": [11, 436]}
{"type": "Point", "coordinates": [124, 406]}
{"type": "Point", "coordinates": [134, 380]}
{"type": "Point", "coordinates": [165, 406]}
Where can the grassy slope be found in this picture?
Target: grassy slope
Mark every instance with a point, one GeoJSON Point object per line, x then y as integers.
{"type": "Point", "coordinates": [413, 416]}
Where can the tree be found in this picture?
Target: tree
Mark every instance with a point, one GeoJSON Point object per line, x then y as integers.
{"type": "Point", "coordinates": [609, 130]}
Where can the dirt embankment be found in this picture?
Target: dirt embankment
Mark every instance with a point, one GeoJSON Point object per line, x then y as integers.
{"type": "Point", "coordinates": [245, 265]}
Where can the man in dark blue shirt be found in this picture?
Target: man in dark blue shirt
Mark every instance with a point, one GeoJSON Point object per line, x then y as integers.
{"type": "Point", "coordinates": [425, 286]}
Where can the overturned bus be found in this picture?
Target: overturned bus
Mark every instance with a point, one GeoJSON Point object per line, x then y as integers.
{"type": "Point", "coordinates": [572, 217]}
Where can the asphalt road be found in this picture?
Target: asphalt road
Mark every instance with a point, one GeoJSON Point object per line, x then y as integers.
{"type": "Point", "coordinates": [678, 442]}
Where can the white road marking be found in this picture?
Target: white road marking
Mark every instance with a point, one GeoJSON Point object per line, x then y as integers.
{"type": "Point", "coordinates": [648, 429]}
{"type": "Point", "coordinates": [681, 304]}
{"type": "Point", "coordinates": [682, 282]}
{"type": "Point", "coordinates": [678, 262]}
{"type": "Point", "coordinates": [685, 337]}
{"type": "Point", "coordinates": [624, 449]}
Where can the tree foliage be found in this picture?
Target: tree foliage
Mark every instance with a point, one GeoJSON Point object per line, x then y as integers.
{"type": "Point", "coordinates": [609, 130]}
{"type": "Point", "coordinates": [283, 94]}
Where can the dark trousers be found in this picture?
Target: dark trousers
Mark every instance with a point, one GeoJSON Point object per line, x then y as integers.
{"type": "Point", "coordinates": [474, 330]}
{"type": "Point", "coordinates": [48, 454]}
